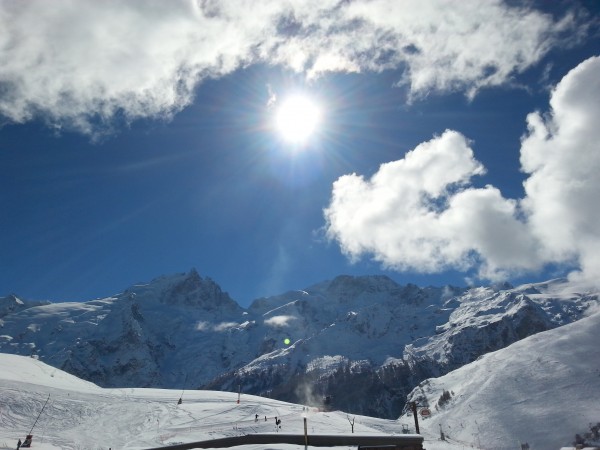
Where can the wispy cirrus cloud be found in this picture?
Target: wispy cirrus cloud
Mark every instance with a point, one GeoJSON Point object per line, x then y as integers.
{"type": "Point", "coordinates": [83, 64]}
{"type": "Point", "coordinates": [423, 213]}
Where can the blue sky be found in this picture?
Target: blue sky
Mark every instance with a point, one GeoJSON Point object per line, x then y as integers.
{"type": "Point", "coordinates": [138, 139]}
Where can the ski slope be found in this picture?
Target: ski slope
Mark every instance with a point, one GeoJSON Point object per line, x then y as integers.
{"type": "Point", "coordinates": [541, 390]}
{"type": "Point", "coordinates": [81, 415]}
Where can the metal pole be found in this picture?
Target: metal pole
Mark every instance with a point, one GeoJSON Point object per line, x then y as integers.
{"type": "Point", "coordinates": [415, 415]}
{"type": "Point", "coordinates": [38, 417]}
{"type": "Point", "coordinates": [183, 390]}
{"type": "Point", "coordinates": [305, 435]}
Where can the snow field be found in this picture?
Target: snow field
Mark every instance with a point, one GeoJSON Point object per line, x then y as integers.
{"type": "Point", "coordinates": [81, 415]}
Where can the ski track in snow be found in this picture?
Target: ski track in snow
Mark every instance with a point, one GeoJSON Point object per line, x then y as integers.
{"type": "Point", "coordinates": [80, 415]}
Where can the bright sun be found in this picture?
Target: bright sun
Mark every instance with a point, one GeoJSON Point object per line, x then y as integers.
{"type": "Point", "coordinates": [297, 118]}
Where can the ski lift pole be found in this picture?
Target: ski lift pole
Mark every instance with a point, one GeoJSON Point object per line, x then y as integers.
{"type": "Point", "coordinates": [182, 391]}
{"type": "Point", "coordinates": [413, 405]}
{"type": "Point", "coordinates": [38, 417]}
{"type": "Point", "coordinates": [305, 434]}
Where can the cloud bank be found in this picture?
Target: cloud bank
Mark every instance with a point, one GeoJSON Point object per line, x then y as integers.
{"type": "Point", "coordinates": [422, 212]}
{"type": "Point", "coordinates": [86, 64]}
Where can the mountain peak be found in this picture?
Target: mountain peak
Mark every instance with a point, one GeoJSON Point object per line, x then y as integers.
{"type": "Point", "coordinates": [192, 290]}
{"type": "Point", "coordinates": [184, 289]}
{"type": "Point", "coordinates": [13, 303]}
{"type": "Point", "coordinates": [9, 304]}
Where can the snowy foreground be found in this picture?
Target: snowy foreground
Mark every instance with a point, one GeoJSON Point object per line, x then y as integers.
{"type": "Point", "coordinates": [81, 415]}
{"type": "Point", "coordinates": [541, 390]}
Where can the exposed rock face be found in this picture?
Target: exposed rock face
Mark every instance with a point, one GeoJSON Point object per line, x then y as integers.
{"type": "Point", "coordinates": [360, 344]}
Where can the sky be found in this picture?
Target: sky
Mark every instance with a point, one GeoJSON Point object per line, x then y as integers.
{"type": "Point", "coordinates": [434, 142]}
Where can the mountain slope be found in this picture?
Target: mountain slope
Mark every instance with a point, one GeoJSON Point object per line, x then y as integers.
{"type": "Point", "coordinates": [141, 337]}
{"type": "Point", "coordinates": [386, 338]}
{"type": "Point", "coordinates": [12, 304]}
{"type": "Point", "coordinates": [360, 344]}
{"type": "Point", "coordinates": [541, 390]}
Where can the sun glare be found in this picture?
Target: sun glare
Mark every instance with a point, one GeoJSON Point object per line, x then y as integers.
{"type": "Point", "coordinates": [297, 118]}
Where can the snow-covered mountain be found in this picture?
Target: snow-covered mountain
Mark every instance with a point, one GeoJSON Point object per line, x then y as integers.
{"type": "Point", "coordinates": [370, 340]}
{"type": "Point", "coordinates": [542, 390]}
{"type": "Point", "coordinates": [359, 343]}
{"type": "Point", "coordinates": [152, 334]}
{"type": "Point", "coordinates": [12, 304]}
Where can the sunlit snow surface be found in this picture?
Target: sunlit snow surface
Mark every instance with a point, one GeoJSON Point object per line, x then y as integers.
{"type": "Point", "coordinates": [81, 415]}
{"type": "Point", "coordinates": [540, 390]}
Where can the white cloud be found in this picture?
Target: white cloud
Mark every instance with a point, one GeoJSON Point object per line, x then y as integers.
{"type": "Point", "coordinates": [421, 213]}
{"type": "Point", "coordinates": [223, 326]}
{"type": "Point", "coordinates": [82, 63]}
{"type": "Point", "coordinates": [279, 321]}
{"type": "Point", "coordinates": [202, 326]}
{"type": "Point", "coordinates": [562, 155]}
{"type": "Point", "coordinates": [462, 45]}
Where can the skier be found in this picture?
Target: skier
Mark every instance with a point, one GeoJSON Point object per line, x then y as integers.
{"type": "Point", "coordinates": [19, 444]}
{"type": "Point", "coordinates": [256, 417]}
